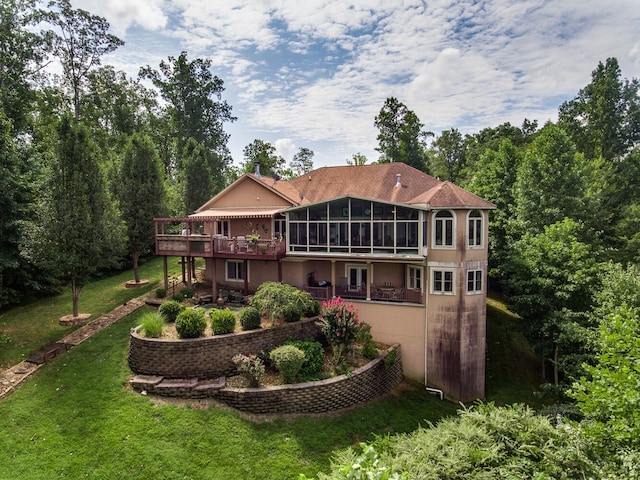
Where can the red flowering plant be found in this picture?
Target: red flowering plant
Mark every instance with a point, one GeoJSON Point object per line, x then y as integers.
{"type": "Point", "coordinates": [340, 325]}
{"type": "Point", "coordinates": [250, 367]}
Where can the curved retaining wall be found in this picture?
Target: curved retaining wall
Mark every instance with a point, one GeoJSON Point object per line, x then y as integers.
{"type": "Point", "coordinates": [209, 357]}
{"type": "Point", "coordinates": [365, 383]}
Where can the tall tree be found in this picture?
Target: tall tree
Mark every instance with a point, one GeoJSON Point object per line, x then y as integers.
{"type": "Point", "coordinates": [196, 108]}
{"type": "Point", "coordinates": [449, 155]}
{"type": "Point", "coordinates": [357, 159]}
{"type": "Point", "coordinates": [197, 176]}
{"type": "Point", "coordinates": [604, 119]}
{"type": "Point", "coordinates": [302, 161]}
{"type": "Point", "coordinates": [401, 137]}
{"type": "Point", "coordinates": [264, 154]}
{"type": "Point", "coordinates": [141, 195]}
{"type": "Point", "coordinates": [82, 39]}
{"type": "Point", "coordinates": [22, 57]}
{"type": "Point", "coordinates": [550, 183]}
{"type": "Point", "coordinates": [493, 179]}
{"type": "Point", "coordinates": [551, 277]}
{"type": "Point", "coordinates": [80, 233]}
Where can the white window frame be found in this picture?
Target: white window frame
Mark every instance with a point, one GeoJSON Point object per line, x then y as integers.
{"type": "Point", "coordinates": [444, 221]}
{"type": "Point", "coordinates": [235, 262]}
{"type": "Point", "coordinates": [475, 225]}
{"type": "Point", "coordinates": [444, 272]}
{"type": "Point", "coordinates": [415, 277]}
{"type": "Point", "coordinates": [360, 268]}
{"type": "Point", "coordinates": [473, 278]}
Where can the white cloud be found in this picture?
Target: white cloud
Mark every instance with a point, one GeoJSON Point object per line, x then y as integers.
{"type": "Point", "coordinates": [285, 147]}
{"type": "Point", "coordinates": [123, 14]}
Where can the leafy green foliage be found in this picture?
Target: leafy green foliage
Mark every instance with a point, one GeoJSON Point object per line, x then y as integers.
{"type": "Point", "coordinates": [170, 310]}
{"type": "Point", "coordinates": [291, 313]}
{"type": "Point", "coordinates": [161, 292]}
{"type": "Point", "coordinates": [313, 356]}
{"type": "Point", "coordinates": [272, 299]}
{"type": "Point", "coordinates": [400, 135]}
{"type": "Point", "coordinates": [340, 325]}
{"type": "Point", "coordinates": [141, 193]}
{"type": "Point", "coordinates": [250, 367]}
{"type": "Point", "coordinates": [364, 336]}
{"type": "Point", "coordinates": [550, 280]}
{"type": "Point", "coordinates": [222, 321]}
{"type": "Point", "coordinates": [480, 443]}
{"type": "Point", "coordinates": [263, 153]}
{"type": "Point", "coordinates": [152, 324]}
{"type": "Point", "coordinates": [249, 318]}
{"type": "Point", "coordinates": [186, 292]}
{"type": "Point", "coordinates": [288, 360]}
{"type": "Point", "coordinates": [191, 323]}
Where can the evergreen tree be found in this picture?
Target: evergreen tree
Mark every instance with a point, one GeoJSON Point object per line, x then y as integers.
{"type": "Point", "coordinates": [141, 195]}
{"type": "Point", "coordinates": [197, 176]}
{"type": "Point", "coordinates": [80, 234]}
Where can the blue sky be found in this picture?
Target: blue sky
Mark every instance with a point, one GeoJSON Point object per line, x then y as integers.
{"type": "Point", "coordinates": [315, 73]}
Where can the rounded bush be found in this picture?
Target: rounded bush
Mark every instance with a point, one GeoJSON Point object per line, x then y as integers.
{"type": "Point", "coordinates": [290, 313]}
{"type": "Point", "coordinates": [186, 292]}
{"type": "Point", "coordinates": [191, 323]}
{"type": "Point", "coordinates": [152, 324]}
{"type": "Point", "coordinates": [170, 310]}
{"type": "Point", "coordinates": [249, 318]}
{"type": "Point", "coordinates": [312, 307]}
{"type": "Point", "coordinates": [177, 297]}
{"type": "Point", "coordinates": [313, 356]}
{"type": "Point", "coordinates": [222, 321]}
{"type": "Point", "coordinates": [288, 360]}
{"type": "Point", "coordinates": [161, 292]}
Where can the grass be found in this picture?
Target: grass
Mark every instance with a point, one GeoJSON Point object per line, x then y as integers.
{"type": "Point", "coordinates": [512, 374]}
{"type": "Point", "coordinates": [25, 328]}
{"type": "Point", "coordinates": [76, 419]}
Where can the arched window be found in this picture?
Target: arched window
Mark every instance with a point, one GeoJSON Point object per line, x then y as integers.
{"type": "Point", "coordinates": [443, 231]}
{"type": "Point", "coordinates": [475, 231]}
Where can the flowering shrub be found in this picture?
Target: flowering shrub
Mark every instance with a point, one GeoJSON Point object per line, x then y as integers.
{"type": "Point", "coordinates": [340, 324]}
{"type": "Point", "coordinates": [250, 367]}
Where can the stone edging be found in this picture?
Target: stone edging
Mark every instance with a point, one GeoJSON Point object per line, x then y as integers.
{"type": "Point", "coordinates": [363, 384]}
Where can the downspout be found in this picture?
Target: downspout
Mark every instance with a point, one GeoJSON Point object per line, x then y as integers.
{"type": "Point", "coordinates": [434, 391]}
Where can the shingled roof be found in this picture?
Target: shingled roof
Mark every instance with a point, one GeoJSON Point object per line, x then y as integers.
{"type": "Point", "coordinates": [390, 182]}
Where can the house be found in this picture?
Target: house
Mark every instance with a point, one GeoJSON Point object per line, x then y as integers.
{"type": "Point", "coordinates": [408, 249]}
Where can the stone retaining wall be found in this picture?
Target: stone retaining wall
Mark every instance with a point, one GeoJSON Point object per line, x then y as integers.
{"type": "Point", "coordinates": [365, 383]}
{"type": "Point", "coordinates": [209, 357]}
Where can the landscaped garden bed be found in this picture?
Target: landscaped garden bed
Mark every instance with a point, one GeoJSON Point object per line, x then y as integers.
{"type": "Point", "coordinates": [274, 363]}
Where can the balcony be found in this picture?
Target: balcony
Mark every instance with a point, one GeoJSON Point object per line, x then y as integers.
{"type": "Point", "coordinates": [217, 246]}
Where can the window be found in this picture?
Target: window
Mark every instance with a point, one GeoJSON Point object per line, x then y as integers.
{"type": "Point", "coordinates": [357, 277]}
{"type": "Point", "coordinates": [443, 230]}
{"type": "Point", "coordinates": [442, 282]}
{"type": "Point", "coordinates": [475, 230]}
{"type": "Point", "coordinates": [222, 227]}
{"type": "Point", "coordinates": [235, 270]}
{"type": "Point", "coordinates": [474, 281]}
{"type": "Point", "coordinates": [415, 278]}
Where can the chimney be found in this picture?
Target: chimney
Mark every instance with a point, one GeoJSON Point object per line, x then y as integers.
{"type": "Point", "coordinates": [398, 183]}
{"type": "Point", "coordinates": [257, 171]}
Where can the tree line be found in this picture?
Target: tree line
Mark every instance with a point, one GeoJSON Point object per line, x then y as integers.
{"type": "Point", "coordinates": [89, 156]}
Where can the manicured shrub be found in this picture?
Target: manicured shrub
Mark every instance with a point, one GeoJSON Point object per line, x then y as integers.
{"type": "Point", "coordinates": [250, 367]}
{"type": "Point", "coordinates": [186, 292]}
{"type": "Point", "coordinates": [288, 360]}
{"type": "Point", "coordinates": [291, 313]}
{"type": "Point", "coordinates": [152, 324]}
{"type": "Point", "coordinates": [161, 292]}
{"type": "Point", "coordinates": [273, 299]}
{"type": "Point", "coordinates": [313, 356]}
{"type": "Point", "coordinates": [191, 323]}
{"type": "Point", "coordinates": [368, 349]}
{"type": "Point", "coordinates": [177, 297]}
{"type": "Point", "coordinates": [311, 306]}
{"type": "Point", "coordinates": [249, 318]}
{"type": "Point", "coordinates": [170, 310]}
{"type": "Point", "coordinates": [222, 321]}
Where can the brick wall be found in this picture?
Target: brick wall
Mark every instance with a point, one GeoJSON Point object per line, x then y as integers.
{"type": "Point", "coordinates": [363, 384]}
{"type": "Point", "coordinates": [209, 357]}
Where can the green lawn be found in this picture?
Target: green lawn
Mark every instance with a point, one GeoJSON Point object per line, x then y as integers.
{"type": "Point", "coordinates": [25, 328]}
{"type": "Point", "coordinates": [76, 419]}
